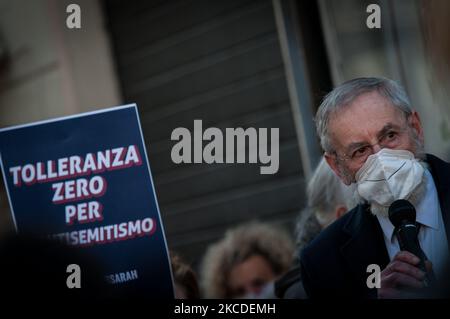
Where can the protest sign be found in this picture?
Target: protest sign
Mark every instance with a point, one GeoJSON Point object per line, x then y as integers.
{"type": "Point", "coordinates": [85, 180]}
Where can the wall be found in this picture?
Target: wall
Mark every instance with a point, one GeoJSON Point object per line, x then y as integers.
{"type": "Point", "coordinates": [52, 70]}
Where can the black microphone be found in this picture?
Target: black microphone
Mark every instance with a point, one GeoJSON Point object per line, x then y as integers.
{"type": "Point", "coordinates": [402, 215]}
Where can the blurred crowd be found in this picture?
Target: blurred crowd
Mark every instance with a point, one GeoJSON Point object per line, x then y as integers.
{"type": "Point", "coordinates": [261, 259]}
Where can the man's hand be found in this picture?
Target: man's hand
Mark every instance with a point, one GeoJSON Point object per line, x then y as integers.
{"type": "Point", "coordinates": [402, 276]}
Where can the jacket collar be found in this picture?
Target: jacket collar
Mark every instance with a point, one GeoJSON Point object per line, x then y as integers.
{"type": "Point", "coordinates": [365, 245]}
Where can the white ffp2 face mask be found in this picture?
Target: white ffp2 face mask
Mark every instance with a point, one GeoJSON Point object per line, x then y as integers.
{"type": "Point", "coordinates": [389, 175]}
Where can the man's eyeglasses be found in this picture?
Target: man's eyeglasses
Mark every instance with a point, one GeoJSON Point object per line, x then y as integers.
{"type": "Point", "coordinates": [358, 153]}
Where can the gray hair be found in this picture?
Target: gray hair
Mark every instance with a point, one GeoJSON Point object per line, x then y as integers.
{"type": "Point", "coordinates": [325, 192]}
{"type": "Point", "coordinates": [347, 92]}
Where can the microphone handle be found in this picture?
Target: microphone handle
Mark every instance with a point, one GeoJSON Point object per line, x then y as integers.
{"type": "Point", "coordinates": [407, 238]}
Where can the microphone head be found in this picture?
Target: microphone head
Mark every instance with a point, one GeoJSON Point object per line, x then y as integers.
{"type": "Point", "coordinates": [402, 211]}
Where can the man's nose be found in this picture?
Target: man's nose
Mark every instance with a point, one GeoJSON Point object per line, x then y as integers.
{"type": "Point", "coordinates": [376, 148]}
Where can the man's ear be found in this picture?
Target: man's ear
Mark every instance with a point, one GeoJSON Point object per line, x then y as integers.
{"type": "Point", "coordinates": [339, 211]}
{"type": "Point", "coordinates": [332, 162]}
{"type": "Point", "coordinates": [416, 124]}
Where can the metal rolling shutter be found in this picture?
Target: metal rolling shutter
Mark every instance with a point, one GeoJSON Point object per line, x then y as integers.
{"type": "Point", "coordinates": [218, 61]}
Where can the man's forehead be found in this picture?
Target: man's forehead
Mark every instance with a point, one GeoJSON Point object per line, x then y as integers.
{"type": "Point", "coordinates": [364, 118]}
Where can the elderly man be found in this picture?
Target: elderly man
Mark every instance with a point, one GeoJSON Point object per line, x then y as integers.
{"type": "Point", "coordinates": [372, 137]}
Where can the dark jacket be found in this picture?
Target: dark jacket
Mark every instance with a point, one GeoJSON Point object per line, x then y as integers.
{"type": "Point", "coordinates": [335, 264]}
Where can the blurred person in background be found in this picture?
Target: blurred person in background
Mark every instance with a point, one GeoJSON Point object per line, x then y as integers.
{"type": "Point", "coordinates": [327, 200]}
{"type": "Point", "coordinates": [185, 279]}
{"type": "Point", "coordinates": [246, 261]}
